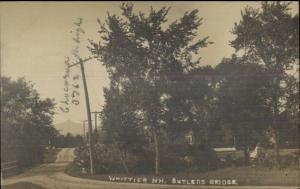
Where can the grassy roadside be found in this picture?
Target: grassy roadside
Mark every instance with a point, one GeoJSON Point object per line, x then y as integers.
{"type": "Point", "coordinates": [23, 185]}
{"type": "Point", "coordinates": [245, 176]}
{"type": "Point", "coordinates": [47, 167]}
{"type": "Point", "coordinates": [50, 156]}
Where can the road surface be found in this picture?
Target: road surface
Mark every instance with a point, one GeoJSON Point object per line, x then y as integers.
{"type": "Point", "coordinates": [66, 155]}
{"type": "Point", "coordinates": [52, 176]}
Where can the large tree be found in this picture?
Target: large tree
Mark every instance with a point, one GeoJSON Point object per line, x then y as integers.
{"type": "Point", "coordinates": [147, 50]}
{"type": "Point", "coordinates": [241, 91]}
{"type": "Point", "coordinates": [121, 121]}
{"type": "Point", "coordinates": [271, 36]}
{"type": "Point", "coordinates": [26, 121]}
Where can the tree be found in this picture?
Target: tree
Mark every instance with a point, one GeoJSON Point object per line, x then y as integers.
{"type": "Point", "coordinates": [67, 141]}
{"type": "Point", "coordinates": [122, 123]}
{"type": "Point", "coordinates": [271, 36]}
{"type": "Point", "coordinates": [26, 121]}
{"type": "Point", "coordinates": [201, 96]}
{"type": "Point", "coordinates": [188, 111]}
{"type": "Point", "coordinates": [139, 49]}
{"type": "Point", "coordinates": [241, 92]}
{"type": "Point", "coordinates": [289, 118]}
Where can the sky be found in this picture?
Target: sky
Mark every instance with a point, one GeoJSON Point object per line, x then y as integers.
{"type": "Point", "coordinates": [36, 38]}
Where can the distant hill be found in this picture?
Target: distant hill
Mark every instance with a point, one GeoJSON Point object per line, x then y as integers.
{"type": "Point", "coordinates": [69, 126]}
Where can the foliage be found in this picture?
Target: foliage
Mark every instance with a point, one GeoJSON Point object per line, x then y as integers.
{"type": "Point", "coordinates": [26, 122]}
{"type": "Point", "coordinates": [122, 130]}
{"type": "Point", "coordinates": [270, 36]}
{"type": "Point", "coordinates": [67, 141]}
{"type": "Point", "coordinates": [138, 50]}
{"type": "Point", "coordinates": [241, 91]}
{"type": "Point", "coordinates": [159, 93]}
{"type": "Point", "coordinates": [106, 159]}
{"type": "Point", "coordinates": [50, 155]}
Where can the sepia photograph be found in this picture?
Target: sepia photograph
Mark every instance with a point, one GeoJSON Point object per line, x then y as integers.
{"type": "Point", "coordinates": [149, 94]}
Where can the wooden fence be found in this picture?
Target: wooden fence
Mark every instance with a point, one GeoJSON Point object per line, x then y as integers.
{"type": "Point", "coordinates": [9, 167]}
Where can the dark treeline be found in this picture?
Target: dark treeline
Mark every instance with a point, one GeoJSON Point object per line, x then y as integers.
{"type": "Point", "coordinates": [67, 141]}
{"type": "Point", "coordinates": [160, 95]}
{"type": "Point", "coordinates": [26, 122]}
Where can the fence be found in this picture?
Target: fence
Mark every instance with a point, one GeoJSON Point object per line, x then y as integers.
{"type": "Point", "coordinates": [8, 168]}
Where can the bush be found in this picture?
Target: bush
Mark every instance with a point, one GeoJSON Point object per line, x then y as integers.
{"type": "Point", "coordinates": [106, 159]}
{"type": "Point", "coordinates": [26, 159]}
{"type": "Point", "coordinates": [205, 158]}
{"type": "Point", "coordinates": [178, 150]}
{"type": "Point", "coordinates": [285, 161]}
{"type": "Point", "coordinates": [74, 170]}
{"type": "Point", "coordinates": [171, 164]}
{"type": "Point", "coordinates": [290, 161]}
{"type": "Point", "coordinates": [144, 163]}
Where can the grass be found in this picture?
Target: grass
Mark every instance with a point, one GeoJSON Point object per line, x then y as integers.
{"type": "Point", "coordinates": [269, 152]}
{"type": "Point", "coordinates": [50, 156]}
{"type": "Point", "coordinates": [245, 176]}
{"type": "Point", "coordinates": [45, 169]}
{"type": "Point", "coordinates": [23, 185]}
{"type": "Point", "coordinates": [251, 176]}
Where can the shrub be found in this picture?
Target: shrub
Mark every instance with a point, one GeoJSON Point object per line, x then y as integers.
{"type": "Point", "coordinates": [285, 161]}
{"type": "Point", "coordinates": [172, 164]}
{"type": "Point", "coordinates": [205, 158]}
{"type": "Point", "coordinates": [145, 163]}
{"type": "Point", "coordinates": [106, 159]}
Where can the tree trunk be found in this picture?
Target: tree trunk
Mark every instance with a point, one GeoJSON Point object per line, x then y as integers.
{"type": "Point", "coordinates": [246, 152]}
{"type": "Point", "coordinates": [156, 145]}
{"type": "Point", "coordinates": [122, 158]}
{"type": "Point", "coordinates": [276, 140]}
{"type": "Point", "coordinates": [275, 129]}
{"type": "Point", "coordinates": [153, 124]}
{"type": "Point", "coordinates": [246, 159]}
{"type": "Point", "coordinates": [276, 147]}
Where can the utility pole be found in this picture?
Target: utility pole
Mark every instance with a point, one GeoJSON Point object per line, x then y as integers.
{"type": "Point", "coordinates": [85, 136]}
{"type": "Point", "coordinates": [83, 124]}
{"type": "Point", "coordinates": [88, 111]}
{"type": "Point", "coordinates": [96, 113]}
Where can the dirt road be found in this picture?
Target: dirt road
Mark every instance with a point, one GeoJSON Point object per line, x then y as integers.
{"type": "Point", "coordinates": [65, 155]}
{"type": "Point", "coordinates": [52, 176]}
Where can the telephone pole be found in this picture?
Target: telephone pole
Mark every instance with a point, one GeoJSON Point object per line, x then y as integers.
{"type": "Point", "coordinates": [96, 113]}
{"type": "Point", "coordinates": [84, 133]}
{"type": "Point", "coordinates": [88, 111]}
